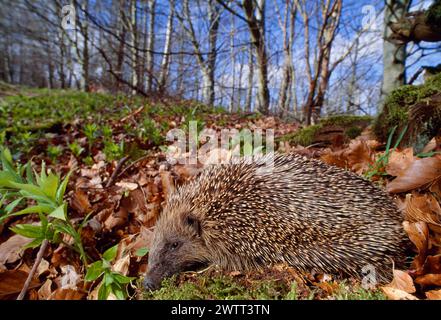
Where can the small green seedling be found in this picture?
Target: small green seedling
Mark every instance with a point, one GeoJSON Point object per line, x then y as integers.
{"type": "Point", "coordinates": [111, 281]}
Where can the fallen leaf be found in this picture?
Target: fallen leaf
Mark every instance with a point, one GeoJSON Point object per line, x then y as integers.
{"type": "Point", "coordinates": [67, 294]}
{"type": "Point", "coordinates": [117, 219]}
{"type": "Point", "coordinates": [434, 294]}
{"type": "Point", "coordinates": [419, 234]}
{"type": "Point", "coordinates": [11, 249]}
{"type": "Point", "coordinates": [420, 173]}
{"type": "Point", "coordinates": [12, 281]}
{"type": "Point", "coordinates": [422, 207]}
{"type": "Point", "coordinates": [402, 281]}
{"type": "Point", "coordinates": [130, 186]}
{"type": "Point", "coordinates": [360, 156]}
{"type": "Point", "coordinates": [45, 291]}
{"type": "Point", "coordinates": [397, 294]}
{"type": "Point", "coordinates": [399, 161]}
{"type": "Point", "coordinates": [429, 279]}
{"type": "Point", "coordinates": [80, 202]}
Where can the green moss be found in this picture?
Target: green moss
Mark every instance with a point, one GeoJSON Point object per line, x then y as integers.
{"type": "Point", "coordinates": [396, 111]}
{"type": "Point", "coordinates": [272, 285]}
{"type": "Point", "coordinates": [356, 292]}
{"type": "Point", "coordinates": [306, 135]}
{"type": "Point", "coordinates": [353, 132]}
{"type": "Point", "coordinates": [345, 120]}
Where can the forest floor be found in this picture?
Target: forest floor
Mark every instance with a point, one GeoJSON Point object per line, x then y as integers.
{"type": "Point", "coordinates": [114, 148]}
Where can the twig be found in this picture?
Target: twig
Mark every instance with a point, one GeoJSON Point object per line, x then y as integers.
{"type": "Point", "coordinates": [115, 172]}
{"type": "Point", "coordinates": [133, 114]}
{"type": "Point", "coordinates": [133, 163]}
{"type": "Point", "coordinates": [33, 270]}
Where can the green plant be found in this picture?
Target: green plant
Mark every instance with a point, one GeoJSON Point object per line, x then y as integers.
{"type": "Point", "coordinates": [112, 150]}
{"type": "Point", "coordinates": [20, 185]}
{"type": "Point", "coordinates": [149, 131]}
{"type": "Point", "coordinates": [76, 149]}
{"type": "Point", "coordinates": [88, 161]}
{"type": "Point", "coordinates": [112, 282]}
{"type": "Point", "coordinates": [107, 131]}
{"type": "Point", "coordinates": [90, 131]}
{"type": "Point", "coordinates": [378, 167]}
{"type": "Point", "coordinates": [54, 152]}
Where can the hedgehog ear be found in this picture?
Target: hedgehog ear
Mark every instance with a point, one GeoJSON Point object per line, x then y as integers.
{"type": "Point", "coordinates": [195, 224]}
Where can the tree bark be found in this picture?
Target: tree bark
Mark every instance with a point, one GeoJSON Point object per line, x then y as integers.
{"type": "Point", "coordinates": [394, 55]}
{"type": "Point", "coordinates": [151, 41]}
{"type": "Point", "coordinates": [133, 46]}
{"type": "Point", "coordinates": [165, 64]}
{"type": "Point", "coordinates": [255, 14]}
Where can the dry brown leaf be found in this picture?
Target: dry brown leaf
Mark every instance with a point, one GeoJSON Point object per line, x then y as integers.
{"type": "Point", "coordinates": [397, 294]}
{"type": "Point", "coordinates": [142, 240]}
{"type": "Point", "coordinates": [130, 186]}
{"type": "Point", "coordinates": [335, 158]}
{"type": "Point", "coordinates": [422, 207]}
{"type": "Point", "coordinates": [11, 249]}
{"type": "Point", "coordinates": [402, 281]}
{"type": "Point", "coordinates": [45, 291]}
{"type": "Point", "coordinates": [117, 219]}
{"type": "Point", "coordinates": [433, 264]}
{"type": "Point", "coordinates": [67, 294]}
{"type": "Point", "coordinates": [399, 161]}
{"type": "Point", "coordinates": [434, 294]}
{"type": "Point", "coordinates": [43, 267]}
{"type": "Point", "coordinates": [12, 281]}
{"type": "Point", "coordinates": [360, 156]}
{"type": "Point", "coordinates": [430, 279]}
{"type": "Point", "coordinates": [122, 265]}
{"type": "Point", "coordinates": [420, 173]}
{"type": "Point", "coordinates": [419, 234]}
{"type": "Point", "coordinates": [80, 202]}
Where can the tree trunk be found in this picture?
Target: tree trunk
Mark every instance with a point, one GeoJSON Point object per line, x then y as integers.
{"type": "Point", "coordinates": [133, 46]}
{"type": "Point", "coordinates": [394, 55]}
{"type": "Point", "coordinates": [165, 65]}
{"type": "Point", "coordinates": [151, 41]}
{"type": "Point", "coordinates": [250, 79]}
{"type": "Point", "coordinates": [255, 14]}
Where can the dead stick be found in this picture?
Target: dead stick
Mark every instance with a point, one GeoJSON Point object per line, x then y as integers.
{"type": "Point", "coordinates": [116, 171]}
{"type": "Point", "coordinates": [33, 270]}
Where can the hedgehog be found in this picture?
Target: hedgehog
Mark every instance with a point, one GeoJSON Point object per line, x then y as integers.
{"type": "Point", "coordinates": [277, 209]}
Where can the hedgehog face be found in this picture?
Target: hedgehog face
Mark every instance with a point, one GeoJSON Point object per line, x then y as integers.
{"type": "Point", "coordinates": [177, 246]}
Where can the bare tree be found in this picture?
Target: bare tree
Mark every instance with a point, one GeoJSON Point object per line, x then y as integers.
{"type": "Point", "coordinates": [394, 55]}
{"type": "Point", "coordinates": [165, 64]}
{"type": "Point", "coordinates": [133, 45]}
{"type": "Point", "coordinates": [206, 63]}
{"type": "Point", "coordinates": [151, 40]}
{"type": "Point", "coordinates": [255, 17]}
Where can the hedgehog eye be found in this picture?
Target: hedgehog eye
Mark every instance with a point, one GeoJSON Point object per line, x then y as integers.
{"type": "Point", "coordinates": [174, 245]}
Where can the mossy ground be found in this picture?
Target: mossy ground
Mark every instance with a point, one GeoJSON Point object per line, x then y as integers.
{"type": "Point", "coordinates": [270, 284]}
{"type": "Point", "coordinates": [351, 125]}
{"type": "Point", "coordinates": [396, 112]}
{"type": "Point", "coordinates": [30, 115]}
